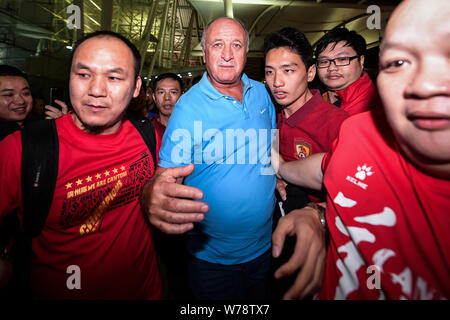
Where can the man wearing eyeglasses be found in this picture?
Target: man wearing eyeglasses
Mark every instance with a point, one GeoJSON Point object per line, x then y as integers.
{"type": "Point", "coordinates": [340, 66]}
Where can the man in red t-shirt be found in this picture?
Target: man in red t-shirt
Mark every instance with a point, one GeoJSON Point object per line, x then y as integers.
{"type": "Point", "coordinates": [387, 176]}
{"type": "Point", "coordinates": [96, 243]}
{"type": "Point", "coordinates": [340, 66]}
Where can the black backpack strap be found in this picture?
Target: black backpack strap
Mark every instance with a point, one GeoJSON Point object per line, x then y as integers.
{"type": "Point", "coordinates": [147, 131]}
{"type": "Point", "coordinates": [40, 155]}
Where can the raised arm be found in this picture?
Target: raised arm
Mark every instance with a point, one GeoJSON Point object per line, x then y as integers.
{"type": "Point", "coordinates": [304, 172]}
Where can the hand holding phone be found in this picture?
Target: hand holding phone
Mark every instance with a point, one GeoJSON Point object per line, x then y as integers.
{"type": "Point", "coordinates": [56, 94]}
{"type": "Point", "coordinates": [56, 108]}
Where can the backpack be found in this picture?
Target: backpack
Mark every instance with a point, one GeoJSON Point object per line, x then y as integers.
{"type": "Point", "coordinates": [40, 155]}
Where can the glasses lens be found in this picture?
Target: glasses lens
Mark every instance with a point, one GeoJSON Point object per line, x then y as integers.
{"type": "Point", "coordinates": [323, 63]}
{"type": "Point", "coordinates": [342, 61]}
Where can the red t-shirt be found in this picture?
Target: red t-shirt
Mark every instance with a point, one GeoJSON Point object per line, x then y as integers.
{"type": "Point", "coordinates": [159, 127]}
{"type": "Point", "coordinates": [96, 243]}
{"type": "Point", "coordinates": [388, 221]}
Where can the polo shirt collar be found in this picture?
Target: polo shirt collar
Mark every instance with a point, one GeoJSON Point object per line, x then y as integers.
{"type": "Point", "coordinates": [305, 110]}
{"type": "Point", "coordinates": [207, 88]}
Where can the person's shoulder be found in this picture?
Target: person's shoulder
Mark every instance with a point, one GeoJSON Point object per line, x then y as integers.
{"type": "Point", "coordinates": [358, 90]}
{"type": "Point", "coordinates": [63, 119]}
{"type": "Point", "coordinates": [7, 128]}
{"type": "Point", "coordinates": [259, 90]}
{"type": "Point", "coordinates": [332, 110]}
{"type": "Point", "coordinates": [190, 98]}
{"type": "Point", "coordinates": [11, 142]}
{"type": "Point", "coordinates": [257, 84]}
{"type": "Point", "coordinates": [366, 123]}
{"type": "Point", "coordinates": [193, 92]}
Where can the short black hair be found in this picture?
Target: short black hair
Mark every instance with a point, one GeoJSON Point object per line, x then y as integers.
{"type": "Point", "coordinates": [168, 75]}
{"type": "Point", "coordinates": [7, 70]}
{"type": "Point", "coordinates": [106, 33]}
{"type": "Point", "coordinates": [293, 39]}
{"type": "Point", "coordinates": [351, 38]}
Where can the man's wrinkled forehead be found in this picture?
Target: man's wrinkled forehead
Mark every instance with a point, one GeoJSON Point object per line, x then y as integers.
{"type": "Point", "coordinates": [226, 26]}
{"type": "Point", "coordinates": [98, 41]}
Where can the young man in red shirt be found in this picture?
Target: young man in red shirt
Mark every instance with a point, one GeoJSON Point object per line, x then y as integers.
{"type": "Point", "coordinates": [340, 66]}
{"type": "Point", "coordinates": [306, 124]}
{"type": "Point", "coordinates": [95, 243]}
{"type": "Point", "coordinates": [387, 176]}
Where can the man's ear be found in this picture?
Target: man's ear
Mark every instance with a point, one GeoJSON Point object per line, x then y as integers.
{"type": "Point", "coordinates": [204, 55]}
{"type": "Point", "coordinates": [361, 61]}
{"type": "Point", "coordinates": [311, 73]}
{"type": "Point", "coordinates": [138, 87]}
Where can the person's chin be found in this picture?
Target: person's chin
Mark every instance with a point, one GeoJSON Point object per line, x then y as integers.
{"type": "Point", "coordinates": [16, 119]}
{"type": "Point", "coordinates": [93, 125]}
{"type": "Point", "coordinates": [94, 128]}
{"type": "Point", "coordinates": [229, 74]}
{"type": "Point", "coordinates": [229, 80]}
{"type": "Point", "coordinates": [19, 114]}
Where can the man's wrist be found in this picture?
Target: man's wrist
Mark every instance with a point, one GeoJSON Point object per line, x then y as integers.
{"type": "Point", "coordinates": [320, 212]}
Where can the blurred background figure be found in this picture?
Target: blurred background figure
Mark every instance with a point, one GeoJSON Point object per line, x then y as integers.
{"type": "Point", "coordinates": [151, 106]}
{"type": "Point", "coordinates": [37, 111]}
{"type": "Point", "coordinates": [16, 100]}
{"type": "Point", "coordinates": [167, 88]}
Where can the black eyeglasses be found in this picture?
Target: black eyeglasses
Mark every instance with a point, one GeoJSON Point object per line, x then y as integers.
{"type": "Point", "coordinates": [338, 62]}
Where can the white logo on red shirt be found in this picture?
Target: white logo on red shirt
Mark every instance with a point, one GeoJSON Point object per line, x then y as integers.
{"type": "Point", "coordinates": [361, 174]}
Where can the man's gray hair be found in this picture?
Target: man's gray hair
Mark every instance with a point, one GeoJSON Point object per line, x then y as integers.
{"type": "Point", "coordinates": [203, 43]}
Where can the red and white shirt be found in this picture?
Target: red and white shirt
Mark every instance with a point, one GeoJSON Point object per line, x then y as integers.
{"type": "Point", "coordinates": [388, 221]}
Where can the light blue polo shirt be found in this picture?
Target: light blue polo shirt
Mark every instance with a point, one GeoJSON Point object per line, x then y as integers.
{"type": "Point", "coordinates": [229, 143]}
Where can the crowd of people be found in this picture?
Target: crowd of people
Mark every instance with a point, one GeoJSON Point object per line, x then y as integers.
{"type": "Point", "coordinates": [134, 192]}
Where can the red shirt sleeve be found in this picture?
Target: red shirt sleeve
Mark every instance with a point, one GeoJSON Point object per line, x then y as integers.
{"type": "Point", "coordinates": [328, 155]}
{"type": "Point", "coordinates": [10, 173]}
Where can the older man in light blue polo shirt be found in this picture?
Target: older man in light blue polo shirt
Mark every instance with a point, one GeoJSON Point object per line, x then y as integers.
{"type": "Point", "coordinates": [223, 125]}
